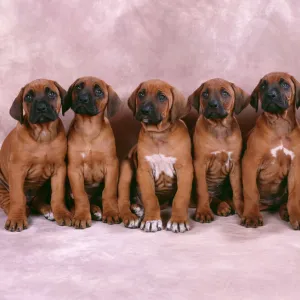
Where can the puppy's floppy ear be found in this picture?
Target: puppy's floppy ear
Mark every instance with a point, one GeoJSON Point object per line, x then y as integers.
{"type": "Point", "coordinates": [180, 107]}
{"type": "Point", "coordinates": [297, 91]}
{"type": "Point", "coordinates": [67, 99]}
{"type": "Point", "coordinates": [241, 100]}
{"type": "Point", "coordinates": [194, 99]}
{"type": "Point", "coordinates": [131, 100]}
{"type": "Point", "coordinates": [16, 110]}
{"type": "Point", "coordinates": [62, 91]}
{"type": "Point", "coordinates": [114, 102]}
{"type": "Point", "coordinates": [254, 97]}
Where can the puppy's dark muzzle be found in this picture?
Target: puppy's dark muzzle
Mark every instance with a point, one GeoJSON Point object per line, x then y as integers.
{"type": "Point", "coordinates": [42, 112]}
{"type": "Point", "coordinates": [148, 114]}
{"type": "Point", "coordinates": [85, 105]}
{"type": "Point", "coordinates": [273, 102]}
{"type": "Point", "coordinates": [215, 110]}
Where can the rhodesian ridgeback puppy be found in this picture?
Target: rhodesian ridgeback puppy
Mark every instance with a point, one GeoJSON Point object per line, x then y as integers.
{"type": "Point", "coordinates": [217, 148]}
{"type": "Point", "coordinates": [93, 166]}
{"type": "Point", "coordinates": [270, 166]}
{"type": "Point", "coordinates": [32, 157]}
{"type": "Point", "coordinates": [161, 162]}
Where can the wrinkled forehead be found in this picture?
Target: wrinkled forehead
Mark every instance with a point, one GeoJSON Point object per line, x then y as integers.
{"type": "Point", "coordinates": [90, 82]}
{"type": "Point", "coordinates": [40, 86]}
{"type": "Point", "coordinates": [217, 85]}
{"type": "Point", "coordinates": [154, 86]}
{"type": "Point", "coordinates": [277, 77]}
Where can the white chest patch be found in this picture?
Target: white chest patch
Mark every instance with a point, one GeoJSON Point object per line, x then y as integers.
{"type": "Point", "coordinates": [162, 164]}
{"type": "Point", "coordinates": [229, 153]}
{"type": "Point", "coordinates": [285, 151]}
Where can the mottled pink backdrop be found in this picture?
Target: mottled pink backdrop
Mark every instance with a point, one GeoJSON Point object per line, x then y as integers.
{"type": "Point", "coordinates": [126, 42]}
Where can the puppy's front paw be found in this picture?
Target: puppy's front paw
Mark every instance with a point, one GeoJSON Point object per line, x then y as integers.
{"type": "Point", "coordinates": [204, 215]}
{"type": "Point", "coordinates": [111, 217]}
{"type": "Point", "coordinates": [63, 217]}
{"type": "Point", "coordinates": [130, 220]}
{"type": "Point", "coordinates": [16, 223]}
{"type": "Point", "coordinates": [82, 220]}
{"type": "Point", "coordinates": [252, 220]}
{"type": "Point", "coordinates": [224, 209]}
{"type": "Point", "coordinates": [151, 225]}
{"type": "Point", "coordinates": [294, 218]}
{"type": "Point", "coordinates": [178, 225]}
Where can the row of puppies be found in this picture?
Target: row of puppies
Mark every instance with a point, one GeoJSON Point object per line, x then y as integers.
{"type": "Point", "coordinates": [160, 166]}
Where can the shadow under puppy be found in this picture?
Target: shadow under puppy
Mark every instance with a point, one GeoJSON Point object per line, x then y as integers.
{"type": "Point", "coordinates": [32, 157]}
{"type": "Point", "coordinates": [217, 148]}
{"type": "Point", "coordinates": [160, 163]}
{"type": "Point", "coordinates": [271, 164]}
{"type": "Point", "coordinates": [93, 167]}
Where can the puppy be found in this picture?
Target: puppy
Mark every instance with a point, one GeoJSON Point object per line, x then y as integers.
{"type": "Point", "coordinates": [217, 148]}
{"type": "Point", "coordinates": [270, 166]}
{"type": "Point", "coordinates": [32, 157]}
{"type": "Point", "coordinates": [93, 166]}
{"type": "Point", "coordinates": [161, 162]}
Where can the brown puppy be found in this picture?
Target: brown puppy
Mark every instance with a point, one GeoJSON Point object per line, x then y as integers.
{"type": "Point", "coordinates": [270, 166]}
{"type": "Point", "coordinates": [93, 166]}
{"type": "Point", "coordinates": [217, 148]}
{"type": "Point", "coordinates": [161, 162]}
{"type": "Point", "coordinates": [32, 157]}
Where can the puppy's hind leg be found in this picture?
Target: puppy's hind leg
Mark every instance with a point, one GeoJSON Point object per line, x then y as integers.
{"type": "Point", "coordinates": [129, 219]}
{"type": "Point", "coordinates": [41, 202]}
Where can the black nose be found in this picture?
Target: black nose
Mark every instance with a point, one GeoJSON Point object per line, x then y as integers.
{"type": "Point", "coordinates": [41, 107]}
{"type": "Point", "coordinates": [84, 98]}
{"type": "Point", "coordinates": [145, 110]}
{"type": "Point", "coordinates": [273, 93]}
{"type": "Point", "coordinates": [213, 103]}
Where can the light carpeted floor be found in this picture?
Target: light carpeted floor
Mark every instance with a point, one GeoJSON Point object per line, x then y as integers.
{"type": "Point", "coordinates": [221, 260]}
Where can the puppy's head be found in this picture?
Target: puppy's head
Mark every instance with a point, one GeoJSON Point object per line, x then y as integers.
{"type": "Point", "coordinates": [157, 104]}
{"type": "Point", "coordinates": [218, 98]}
{"type": "Point", "coordinates": [90, 96]}
{"type": "Point", "coordinates": [277, 92]}
{"type": "Point", "coordinates": [39, 102]}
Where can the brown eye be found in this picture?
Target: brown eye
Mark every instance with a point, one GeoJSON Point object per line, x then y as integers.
{"type": "Point", "coordinates": [285, 85]}
{"type": "Point", "coordinates": [141, 94]}
{"type": "Point", "coordinates": [98, 91]}
{"type": "Point", "coordinates": [51, 94]}
{"type": "Point", "coordinates": [28, 98]}
{"type": "Point", "coordinates": [79, 87]}
{"type": "Point", "coordinates": [205, 95]}
{"type": "Point", "coordinates": [162, 97]}
{"type": "Point", "coordinates": [225, 94]}
{"type": "Point", "coordinates": [263, 85]}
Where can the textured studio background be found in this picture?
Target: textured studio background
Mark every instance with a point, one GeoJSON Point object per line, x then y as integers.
{"type": "Point", "coordinates": [125, 42]}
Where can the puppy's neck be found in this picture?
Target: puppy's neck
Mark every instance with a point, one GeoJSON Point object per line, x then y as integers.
{"type": "Point", "coordinates": [219, 128]}
{"type": "Point", "coordinates": [283, 123]}
{"type": "Point", "coordinates": [43, 133]}
{"type": "Point", "coordinates": [88, 125]}
{"type": "Point", "coordinates": [160, 135]}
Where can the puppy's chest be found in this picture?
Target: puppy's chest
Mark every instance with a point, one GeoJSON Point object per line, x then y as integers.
{"type": "Point", "coordinates": [162, 167]}
{"type": "Point", "coordinates": [220, 161]}
{"type": "Point", "coordinates": [93, 166]}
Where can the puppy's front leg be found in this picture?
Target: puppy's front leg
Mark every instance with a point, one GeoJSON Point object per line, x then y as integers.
{"type": "Point", "coordinates": [204, 213]}
{"type": "Point", "coordinates": [235, 177]}
{"type": "Point", "coordinates": [82, 217]}
{"type": "Point", "coordinates": [61, 215]}
{"type": "Point", "coordinates": [179, 218]}
{"type": "Point", "coordinates": [16, 218]}
{"type": "Point", "coordinates": [293, 204]}
{"type": "Point", "coordinates": [152, 220]}
{"type": "Point", "coordinates": [109, 195]}
{"type": "Point", "coordinates": [251, 215]}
